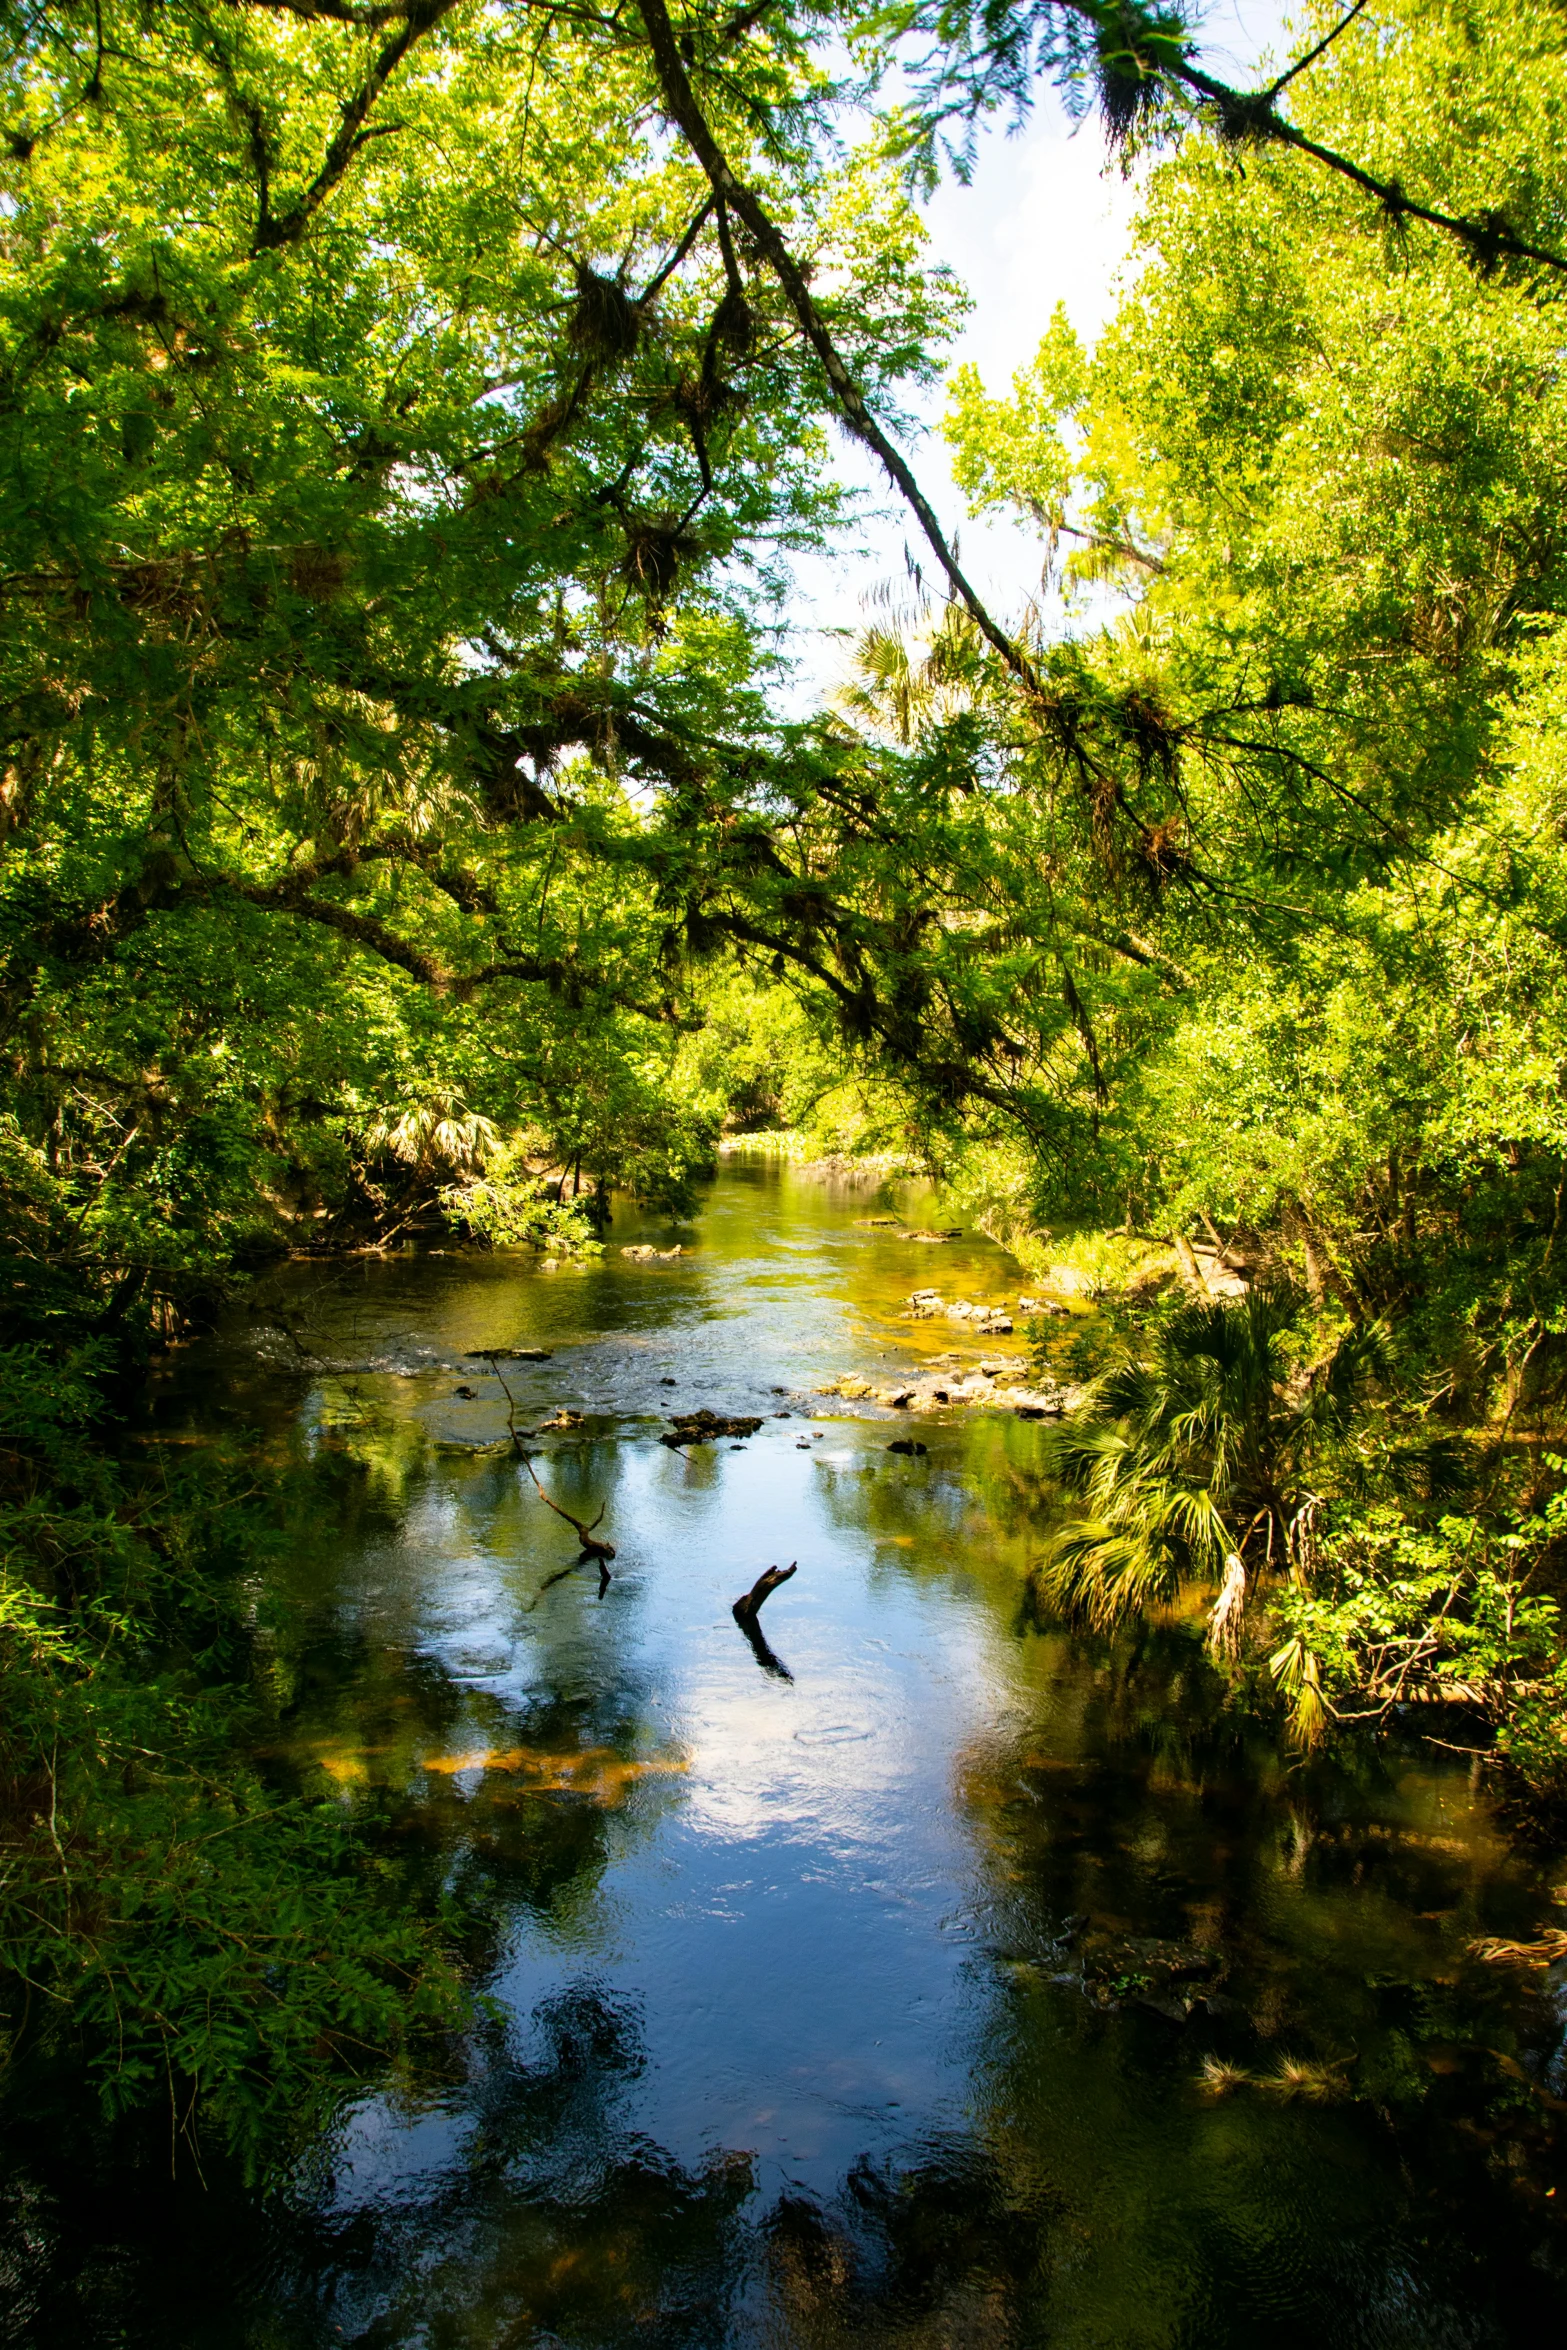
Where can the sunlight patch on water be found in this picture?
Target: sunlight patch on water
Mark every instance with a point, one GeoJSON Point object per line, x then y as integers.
{"type": "Point", "coordinates": [598, 1773]}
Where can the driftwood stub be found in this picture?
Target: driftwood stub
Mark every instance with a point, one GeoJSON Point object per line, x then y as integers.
{"type": "Point", "coordinates": [745, 1607]}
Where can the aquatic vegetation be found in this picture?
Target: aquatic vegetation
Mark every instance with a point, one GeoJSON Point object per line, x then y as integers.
{"type": "Point", "coordinates": [598, 1773]}
{"type": "Point", "coordinates": [1219, 2078]}
{"type": "Point", "coordinates": [1293, 2076]}
{"type": "Point", "coordinates": [1548, 1949]}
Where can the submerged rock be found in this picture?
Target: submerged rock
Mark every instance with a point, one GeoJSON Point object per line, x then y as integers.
{"type": "Point", "coordinates": [644, 1254]}
{"type": "Point", "coordinates": [1172, 1978]}
{"type": "Point", "coordinates": [923, 1304]}
{"type": "Point", "coordinates": [1040, 1403]}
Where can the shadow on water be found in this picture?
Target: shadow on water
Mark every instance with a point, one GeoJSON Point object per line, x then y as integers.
{"type": "Point", "coordinates": [953, 1982]}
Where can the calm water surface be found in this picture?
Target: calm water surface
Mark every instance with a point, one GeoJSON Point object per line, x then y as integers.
{"type": "Point", "coordinates": [860, 1991]}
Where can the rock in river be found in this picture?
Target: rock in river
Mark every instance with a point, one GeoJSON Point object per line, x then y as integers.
{"type": "Point", "coordinates": [705, 1427]}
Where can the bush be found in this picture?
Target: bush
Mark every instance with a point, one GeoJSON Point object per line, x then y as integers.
{"type": "Point", "coordinates": [1391, 1615]}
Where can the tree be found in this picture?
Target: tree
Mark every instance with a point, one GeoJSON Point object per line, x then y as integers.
{"type": "Point", "coordinates": [402, 442]}
{"type": "Point", "coordinates": [1316, 461]}
{"type": "Point", "coordinates": [410, 408]}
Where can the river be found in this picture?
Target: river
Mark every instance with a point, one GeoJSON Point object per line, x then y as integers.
{"type": "Point", "coordinates": [874, 1984]}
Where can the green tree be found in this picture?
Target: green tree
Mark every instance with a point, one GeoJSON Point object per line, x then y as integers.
{"type": "Point", "coordinates": [1315, 459]}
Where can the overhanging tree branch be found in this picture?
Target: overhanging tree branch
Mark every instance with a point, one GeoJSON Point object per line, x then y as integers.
{"type": "Point", "coordinates": [681, 103]}
{"type": "Point", "coordinates": [275, 230]}
{"type": "Point", "coordinates": [1252, 117]}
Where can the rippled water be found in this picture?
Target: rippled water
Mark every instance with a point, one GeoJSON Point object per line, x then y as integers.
{"type": "Point", "coordinates": [855, 1988]}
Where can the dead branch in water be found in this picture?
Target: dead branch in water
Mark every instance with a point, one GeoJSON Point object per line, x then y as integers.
{"type": "Point", "coordinates": [745, 1610]}
{"type": "Point", "coordinates": [601, 1552]}
{"type": "Point", "coordinates": [765, 1656]}
{"type": "Point", "coordinates": [590, 1549]}
{"type": "Point", "coordinates": [511, 1410]}
{"type": "Point", "coordinates": [559, 1576]}
{"type": "Point", "coordinates": [745, 1607]}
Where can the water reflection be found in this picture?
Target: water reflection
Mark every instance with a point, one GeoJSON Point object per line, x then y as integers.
{"type": "Point", "coordinates": [945, 1981]}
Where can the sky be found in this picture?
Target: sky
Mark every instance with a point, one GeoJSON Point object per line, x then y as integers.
{"type": "Point", "coordinates": [1045, 219]}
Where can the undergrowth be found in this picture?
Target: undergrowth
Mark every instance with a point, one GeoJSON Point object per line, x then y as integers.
{"type": "Point", "coordinates": [175, 1931]}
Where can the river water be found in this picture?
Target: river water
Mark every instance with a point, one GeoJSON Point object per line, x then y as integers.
{"type": "Point", "coordinates": [856, 1987]}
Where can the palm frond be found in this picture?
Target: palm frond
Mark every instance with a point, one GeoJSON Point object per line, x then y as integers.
{"type": "Point", "coordinates": [1100, 1575]}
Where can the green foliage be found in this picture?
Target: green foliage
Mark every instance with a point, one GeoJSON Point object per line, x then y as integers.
{"type": "Point", "coordinates": [1315, 459]}
{"type": "Point", "coordinates": [1014, 453]}
{"type": "Point", "coordinates": [1394, 1614]}
{"type": "Point", "coordinates": [1215, 1453]}
{"type": "Point", "coordinates": [188, 1934]}
{"type": "Point", "coordinates": [509, 1206]}
{"type": "Point", "coordinates": [389, 577]}
{"type": "Point", "coordinates": [409, 415]}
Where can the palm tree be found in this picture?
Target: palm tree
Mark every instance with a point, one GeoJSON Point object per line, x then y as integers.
{"type": "Point", "coordinates": [1194, 1461]}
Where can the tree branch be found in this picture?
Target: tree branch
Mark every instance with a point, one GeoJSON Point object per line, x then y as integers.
{"type": "Point", "coordinates": [274, 230]}
{"type": "Point", "coordinates": [745, 1607]}
{"type": "Point", "coordinates": [1302, 63]}
{"type": "Point", "coordinates": [1252, 116]}
{"type": "Point", "coordinates": [681, 104]}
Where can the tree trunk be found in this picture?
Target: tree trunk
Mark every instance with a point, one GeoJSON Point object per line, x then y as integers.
{"type": "Point", "coordinates": [1224, 1625]}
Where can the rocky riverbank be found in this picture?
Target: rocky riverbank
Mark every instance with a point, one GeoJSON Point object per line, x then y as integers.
{"type": "Point", "coordinates": [1004, 1382]}
{"type": "Point", "coordinates": [997, 1386]}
